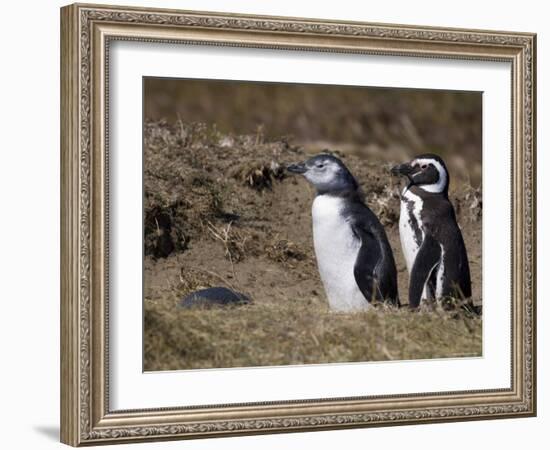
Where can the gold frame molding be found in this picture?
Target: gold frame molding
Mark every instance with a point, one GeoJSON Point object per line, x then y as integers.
{"type": "Point", "coordinates": [86, 31]}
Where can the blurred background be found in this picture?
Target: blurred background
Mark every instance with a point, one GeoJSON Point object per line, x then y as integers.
{"type": "Point", "coordinates": [385, 123]}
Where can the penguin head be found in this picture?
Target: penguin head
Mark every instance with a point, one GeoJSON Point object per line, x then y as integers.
{"type": "Point", "coordinates": [428, 172]}
{"type": "Point", "coordinates": [326, 173]}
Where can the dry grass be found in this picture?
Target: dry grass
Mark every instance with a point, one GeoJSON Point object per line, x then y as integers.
{"type": "Point", "coordinates": [412, 119]}
{"type": "Point", "coordinates": [300, 331]}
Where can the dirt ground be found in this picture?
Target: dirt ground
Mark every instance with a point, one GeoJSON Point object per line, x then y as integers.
{"type": "Point", "coordinates": [220, 210]}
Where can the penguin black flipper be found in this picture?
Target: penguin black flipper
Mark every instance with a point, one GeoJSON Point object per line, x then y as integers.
{"type": "Point", "coordinates": [426, 261]}
{"type": "Point", "coordinates": [366, 263]}
{"type": "Point", "coordinates": [374, 271]}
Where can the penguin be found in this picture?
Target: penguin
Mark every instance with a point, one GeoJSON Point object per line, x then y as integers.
{"type": "Point", "coordinates": [354, 257]}
{"type": "Point", "coordinates": [432, 243]}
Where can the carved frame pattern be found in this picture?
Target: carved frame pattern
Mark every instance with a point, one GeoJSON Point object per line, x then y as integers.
{"type": "Point", "coordinates": [86, 418]}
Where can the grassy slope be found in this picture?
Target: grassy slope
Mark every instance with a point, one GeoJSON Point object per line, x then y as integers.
{"type": "Point", "coordinates": [232, 218]}
{"type": "Point", "coordinates": [300, 332]}
{"type": "Point", "coordinates": [438, 121]}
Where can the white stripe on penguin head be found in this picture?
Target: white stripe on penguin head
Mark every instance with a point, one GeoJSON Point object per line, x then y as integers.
{"type": "Point", "coordinates": [441, 183]}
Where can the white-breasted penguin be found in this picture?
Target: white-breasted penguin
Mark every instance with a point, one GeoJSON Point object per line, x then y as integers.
{"type": "Point", "coordinates": [353, 254]}
{"type": "Point", "coordinates": [431, 239]}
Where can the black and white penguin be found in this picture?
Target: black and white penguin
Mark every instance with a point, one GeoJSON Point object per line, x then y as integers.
{"type": "Point", "coordinates": [353, 254]}
{"type": "Point", "coordinates": [432, 243]}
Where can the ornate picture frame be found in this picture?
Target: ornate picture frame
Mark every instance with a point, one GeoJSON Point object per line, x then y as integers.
{"type": "Point", "coordinates": [86, 34]}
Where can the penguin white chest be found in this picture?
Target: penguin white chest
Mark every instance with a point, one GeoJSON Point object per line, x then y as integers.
{"type": "Point", "coordinates": [410, 228]}
{"type": "Point", "coordinates": [336, 249]}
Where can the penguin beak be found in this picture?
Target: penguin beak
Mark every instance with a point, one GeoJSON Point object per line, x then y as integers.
{"type": "Point", "coordinates": [402, 169]}
{"type": "Point", "coordinates": [297, 168]}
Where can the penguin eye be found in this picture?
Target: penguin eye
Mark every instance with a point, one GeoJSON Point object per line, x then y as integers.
{"type": "Point", "coordinates": [424, 166]}
{"type": "Point", "coordinates": [320, 165]}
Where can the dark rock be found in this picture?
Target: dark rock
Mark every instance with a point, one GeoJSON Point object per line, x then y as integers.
{"type": "Point", "coordinates": [214, 296]}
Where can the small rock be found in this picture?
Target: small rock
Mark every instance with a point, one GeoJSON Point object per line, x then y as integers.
{"type": "Point", "coordinates": [214, 296]}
